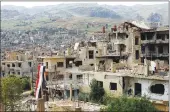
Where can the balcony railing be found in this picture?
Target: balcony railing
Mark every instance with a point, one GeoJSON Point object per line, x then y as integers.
{"type": "Point", "coordinates": [148, 41]}
{"type": "Point", "coordinates": [154, 54]}
{"type": "Point", "coordinates": [162, 41]}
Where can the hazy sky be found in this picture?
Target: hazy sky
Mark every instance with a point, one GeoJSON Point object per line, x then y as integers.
{"type": "Point", "coordinates": [32, 4]}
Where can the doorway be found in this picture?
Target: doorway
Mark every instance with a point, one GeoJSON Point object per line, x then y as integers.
{"type": "Point", "coordinates": [138, 89]}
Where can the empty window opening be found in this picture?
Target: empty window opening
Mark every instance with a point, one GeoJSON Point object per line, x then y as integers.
{"type": "Point", "coordinates": [18, 73]}
{"type": "Point", "coordinates": [123, 83]}
{"type": "Point", "coordinates": [101, 62]}
{"type": "Point", "coordinates": [113, 86]}
{"type": "Point", "coordinates": [91, 55]}
{"type": "Point", "coordinates": [13, 65]}
{"type": "Point", "coordinates": [157, 89]}
{"type": "Point", "coordinates": [79, 76]}
{"type": "Point", "coordinates": [167, 36]}
{"type": "Point", "coordinates": [19, 64]}
{"type": "Point", "coordinates": [136, 40]}
{"type": "Point", "coordinates": [46, 65]}
{"type": "Point", "coordinates": [126, 36]}
{"type": "Point", "coordinates": [138, 89]}
{"type": "Point", "coordinates": [13, 73]}
{"type": "Point", "coordinates": [3, 63]}
{"type": "Point", "coordinates": [91, 64]}
{"type": "Point", "coordinates": [96, 51]}
{"type": "Point", "coordinates": [142, 60]}
{"type": "Point", "coordinates": [143, 49]}
{"type": "Point", "coordinates": [60, 64]}
{"type": "Point", "coordinates": [100, 83]}
{"type": "Point", "coordinates": [137, 54]}
{"type": "Point", "coordinates": [142, 36]}
{"type": "Point", "coordinates": [151, 48]}
{"type": "Point", "coordinates": [70, 76]}
{"type": "Point", "coordinates": [160, 49]}
{"type": "Point", "coordinates": [150, 35]}
{"type": "Point", "coordinates": [8, 65]}
{"type": "Point", "coordinates": [78, 63]}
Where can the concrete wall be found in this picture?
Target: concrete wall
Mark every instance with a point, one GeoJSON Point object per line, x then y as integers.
{"type": "Point", "coordinates": [84, 55]}
{"type": "Point", "coordinates": [100, 76]}
{"type": "Point", "coordinates": [53, 61]}
{"type": "Point", "coordinates": [146, 84]}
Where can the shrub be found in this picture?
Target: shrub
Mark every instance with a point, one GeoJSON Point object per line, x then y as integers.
{"type": "Point", "coordinates": [83, 97]}
{"type": "Point", "coordinates": [131, 105]}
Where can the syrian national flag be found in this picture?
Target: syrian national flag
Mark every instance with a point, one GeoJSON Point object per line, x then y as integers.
{"type": "Point", "coordinates": [40, 82]}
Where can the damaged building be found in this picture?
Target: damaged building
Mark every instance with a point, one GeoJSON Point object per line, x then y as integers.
{"type": "Point", "coordinates": [131, 60]}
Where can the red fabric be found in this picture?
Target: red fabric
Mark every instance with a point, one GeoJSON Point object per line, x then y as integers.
{"type": "Point", "coordinates": [37, 78]}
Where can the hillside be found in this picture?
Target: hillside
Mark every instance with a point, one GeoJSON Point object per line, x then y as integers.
{"type": "Point", "coordinates": [79, 15]}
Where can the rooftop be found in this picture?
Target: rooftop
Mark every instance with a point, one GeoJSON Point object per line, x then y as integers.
{"type": "Point", "coordinates": [49, 57]}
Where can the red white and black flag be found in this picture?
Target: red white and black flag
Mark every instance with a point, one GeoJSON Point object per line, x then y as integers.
{"type": "Point", "coordinates": [40, 82]}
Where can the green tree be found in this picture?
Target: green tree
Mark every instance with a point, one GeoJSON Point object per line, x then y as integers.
{"type": "Point", "coordinates": [122, 104]}
{"type": "Point", "coordinates": [26, 83]}
{"type": "Point", "coordinates": [96, 92]}
{"type": "Point", "coordinates": [11, 92]}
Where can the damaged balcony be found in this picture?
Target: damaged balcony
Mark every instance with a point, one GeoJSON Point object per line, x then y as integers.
{"type": "Point", "coordinates": [148, 41]}
{"type": "Point", "coordinates": [154, 54]}
{"type": "Point", "coordinates": [158, 41]}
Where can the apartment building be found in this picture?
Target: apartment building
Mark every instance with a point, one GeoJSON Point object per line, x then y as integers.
{"type": "Point", "coordinates": [155, 46]}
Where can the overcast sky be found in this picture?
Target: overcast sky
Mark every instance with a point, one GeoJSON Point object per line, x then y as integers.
{"type": "Point", "coordinates": [32, 4]}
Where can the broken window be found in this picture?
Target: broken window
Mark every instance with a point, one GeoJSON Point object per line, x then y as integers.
{"type": "Point", "coordinates": [138, 89]}
{"type": "Point", "coordinates": [78, 63]}
{"type": "Point", "coordinates": [157, 88]}
{"type": "Point", "coordinates": [126, 36]}
{"type": "Point", "coordinates": [79, 76]}
{"type": "Point", "coordinates": [142, 36]}
{"type": "Point", "coordinates": [160, 49]}
{"type": "Point", "coordinates": [19, 64]}
{"type": "Point", "coordinates": [101, 62]}
{"type": "Point", "coordinates": [143, 49]}
{"type": "Point", "coordinates": [13, 65]}
{"type": "Point", "coordinates": [60, 64]}
{"type": "Point", "coordinates": [151, 48]}
{"type": "Point", "coordinates": [167, 36]}
{"type": "Point", "coordinates": [137, 40]}
{"type": "Point", "coordinates": [150, 35]}
{"type": "Point", "coordinates": [91, 64]}
{"type": "Point", "coordinates": [113, 86]}
{"type": "Point", "coordinates": [8, 65]}
{"type": "Point", "coordinates": [46, 65]}
{"type": "Point", "coordinates": [91, 55]}
{"type": "Point", "coordinates": [70, 76]}
{"type": "Point", "coordinates": [137, 54]}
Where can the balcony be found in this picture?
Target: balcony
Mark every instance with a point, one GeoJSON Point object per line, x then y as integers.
{"type": "Point", "coordinates": [53, 69]}
{"type": "Point", "coordinates": [162, 41]}
{"type": "Point", "coordinates": [148, 41]}
{"type": "Point", "coordinates": [154, 54]}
